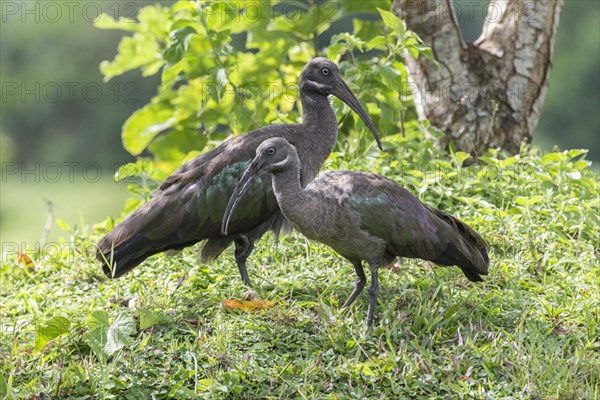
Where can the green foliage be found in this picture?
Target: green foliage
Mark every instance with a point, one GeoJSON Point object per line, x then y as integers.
{"type": "Point", "coordinates": [228, 68]}
{"type": "Point", "coordinates": [105, 338]}
{"type": "Point", "coordinates": [51, 329]}
{"type": "Point", "coordinates": [530, 331]}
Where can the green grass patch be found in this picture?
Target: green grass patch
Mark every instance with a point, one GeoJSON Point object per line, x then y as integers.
{"type": "Point", "coordinates": [530, 331]}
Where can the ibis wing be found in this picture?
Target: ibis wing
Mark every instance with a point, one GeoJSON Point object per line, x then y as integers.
{"type": "Point", "coordinates": [189, 205]}
{"type": "Point", "coordinates": [413, 229]}
{"type": "Point", "coordinates": [389, 211]}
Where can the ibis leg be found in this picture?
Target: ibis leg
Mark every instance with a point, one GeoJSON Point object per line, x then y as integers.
{"type": "Point", "coordinates": [243, 248]}
{"type": "Point", "coordinates": [373, 293]}
{"type": "Point", "coordinates": [360, 284]}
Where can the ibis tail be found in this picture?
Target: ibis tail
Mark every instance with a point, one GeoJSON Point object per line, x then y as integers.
{"type": "Point", "coordinates": [465, 247]}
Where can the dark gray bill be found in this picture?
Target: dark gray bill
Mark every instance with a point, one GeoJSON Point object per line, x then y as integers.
{"type": "Point", "coordinates": [343, 92]}
{"type": "Point", "coordinates": [240, 190]}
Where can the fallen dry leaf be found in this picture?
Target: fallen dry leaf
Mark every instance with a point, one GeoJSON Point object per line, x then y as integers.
{"type": "Point", "coordinates": [25, 260]}
{"type": "Point", "coordinates": [396, 267]}
{"type": "Point", "coordinates": [560, 330]}
{"type": "Point", "coordinates": [247, 305]}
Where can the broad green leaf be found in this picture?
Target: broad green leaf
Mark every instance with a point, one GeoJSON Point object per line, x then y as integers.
{"type": "Point", "coordinates": [4, 390]}
{"type": "Point", "coordinates": [553, 158]}
{"type": "Point", "coordinates": [301, 52]}
{"type": "Point", "coordinates": [393, 22]}
{"type": "Point", "coordinates": [155, 21]}
{"type": "Point", "coordinates": [577, 152]}
{"type": "Point", "coordinates": [390, 76]}
{"type": "Point", "coordinates": [105, 339]}
{"type": "Point", "coordinates": [219, 77]}
{"type": "Point", "coordinates": [184, 5]}
{"type": "Point", "coordinates": [335, 51]}
{"type": "Point", "coordinates": [376, 43]}
{"type": "Point", "coordinates": [365, 369]}
{"type": "Point", "coordinates": [528, 201]}
{"type": "Point", "coordinates": [134, 52]}
{"type": "Point", "coordinates": [97, 324]}
{"type": "Point", "coordinates": [62, 224]}
{"type": "Point", "coordinates": [305, 23]}
{"type": "Point", "coordinates": [127, 170]}
{"type": "Point", "coordinates": [350, 41]}
{"type": "Point", "coordinates": [461, 157]}
{"type": "Point", "coordinates": [243, 118]}
{"type": "Point", "coordinates": [508, 161]}
{"type": "Point", "coordinates": [144, 125]}
{"type": "Point", "coordinates": [119, 334]}
{"type": "Point", "coordinates": [175, 145]}
{"type": "Point", "coordinates": [180, 41]}
{"type": "Point", "coordinates": [49, 330]}
{"type": "Point", "coordinates": [192, 98]}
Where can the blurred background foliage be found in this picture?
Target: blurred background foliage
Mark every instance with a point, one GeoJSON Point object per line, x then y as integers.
{"type": "Point", "coordinates": [65, 52]}
{"type": "Point", "coordinates": [171, 76]}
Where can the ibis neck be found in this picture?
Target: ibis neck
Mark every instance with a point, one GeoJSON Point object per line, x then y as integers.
{"type": "Point", "coordinates": [320, 126]}
{"type": "Point", "coordinates": [288, 189]}
{"type": "Point", "coordinates": [317, 110]}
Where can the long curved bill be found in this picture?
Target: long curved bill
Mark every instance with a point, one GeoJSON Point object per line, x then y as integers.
{"type": "Point", "coordinates": [343, 92]}
{"type": "Point", "coordinates": [240, 190]}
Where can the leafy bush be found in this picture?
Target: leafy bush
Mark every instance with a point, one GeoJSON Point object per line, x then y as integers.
{"type": "Point", "coordinates": [228, 68]}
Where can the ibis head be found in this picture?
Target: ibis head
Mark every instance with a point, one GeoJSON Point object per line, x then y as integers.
{"type": "Point", "coordinates": [272, 155]}
{"type": "Point", "coordinates": [322, 76]}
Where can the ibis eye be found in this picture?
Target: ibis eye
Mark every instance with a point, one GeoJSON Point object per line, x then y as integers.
{"type": "Point", "coordinates": [271, 151]}
{"type": "Point", "coordinates": [325, 71]}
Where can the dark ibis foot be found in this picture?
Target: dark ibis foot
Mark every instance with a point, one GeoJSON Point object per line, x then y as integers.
{"type": "Point", "coordinates": [357, 290]}
{"type": "Point", "coordinates": [373, 293]}
{"type": "Point", "coordinates": [243, 248]}
{"type": "Point", "coordinates": [370, 318]}
{"type": "Point", "coordinates": [360, 284]}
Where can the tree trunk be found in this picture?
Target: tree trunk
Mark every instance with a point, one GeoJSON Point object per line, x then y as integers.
{"type": "Point", "coordinates": [488, 93]}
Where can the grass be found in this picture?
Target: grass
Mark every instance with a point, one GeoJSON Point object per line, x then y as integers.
{"type": "Point", "coordinates": [530, 331]}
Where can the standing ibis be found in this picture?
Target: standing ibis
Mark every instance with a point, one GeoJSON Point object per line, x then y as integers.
{"type": "Point", "coordinates": [363, 217]}
{"type": "Point", "coordinates": [189, 205]}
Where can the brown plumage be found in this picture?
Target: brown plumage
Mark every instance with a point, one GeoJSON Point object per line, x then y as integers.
{"type": "Point", "coordinates": [363, 217]}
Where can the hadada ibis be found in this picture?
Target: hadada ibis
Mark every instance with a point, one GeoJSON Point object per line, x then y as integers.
{"type": "Point", "coordinates": [363, 217]}
{"type": "Point", "coordinates": [189, 205]}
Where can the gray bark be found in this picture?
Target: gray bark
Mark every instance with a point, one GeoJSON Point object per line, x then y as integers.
{"type": "Point", "coordinates": [488, 93]}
